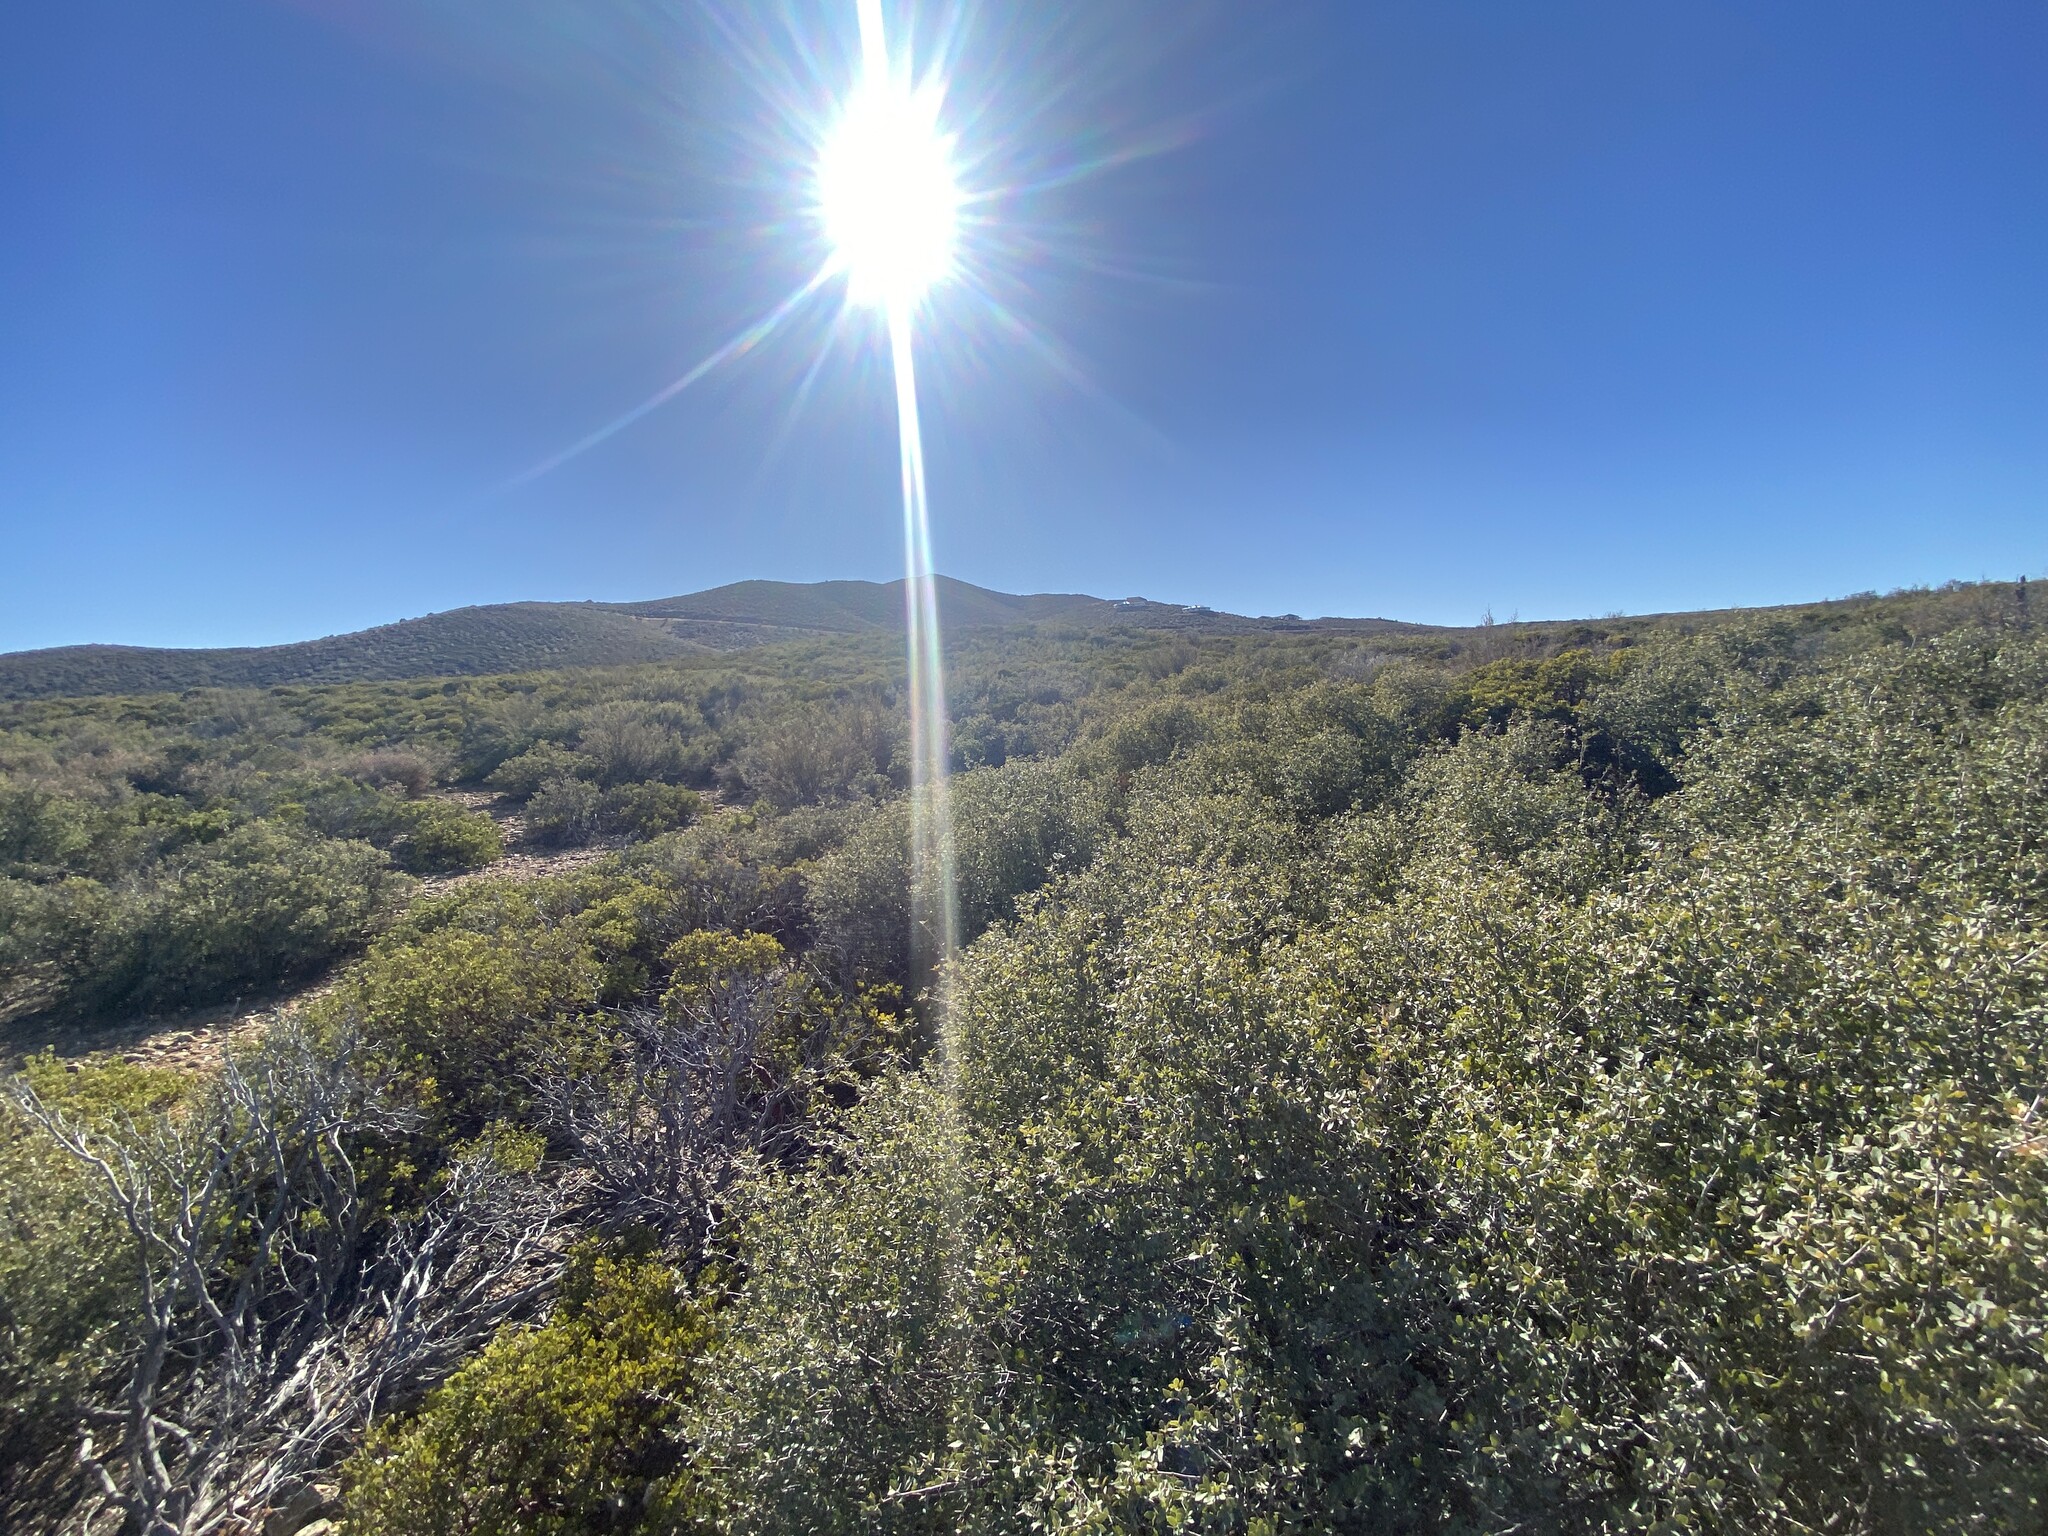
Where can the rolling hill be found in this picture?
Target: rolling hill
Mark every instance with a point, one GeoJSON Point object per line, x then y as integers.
{"type": "Point", "coordinates": [524, 637]}
{"type": "Point", "coordinates": [466, 641]}
{"type": "Point", "coordinates": [519, 637]}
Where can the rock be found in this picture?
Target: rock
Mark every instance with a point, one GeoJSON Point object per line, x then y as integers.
{"type": "Point", "coordinates": [290, 1515]}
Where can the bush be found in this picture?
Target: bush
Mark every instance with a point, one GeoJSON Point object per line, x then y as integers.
{"type": "Point", "coordinates": [522, 776]}
{"type": "Point", "coordinates": [1644, 718]}
{"type": "Point", "coordinates": [564, 813]}
{"type": "Point", "coordinates": [702, 962]}
{"type": "Point", "coordinates": [1319, 751]}
{"type": "Point", "coordinates": [407, 772]}
{"type": "Point", "coordinates": [265, 904]}
{"type": "Point", "coordinates": [847, 752]}
{"type": "Point", "coordinates": [741, 871]}
{"type": "Point", "coordinates": [47, 933]}
{"type": "Point", "coordinates": [1520, 1173]}
{"type": "Point", "coordinates": [628, 743]}
{"type": "Point", "coordinates": [1548, 689]}
{"type": "Point", "coordinates": [62, 1289]}
{"type": "Point", "coordinates": [440, 838]}
{"type": "Point", "coordinates": [1012, 827]}
{"type": "Point", "coordinates": [569, 1429]}
{"type": "Point", "coordinates": [1151, 736]}
{"type": "Point", "coordinates": [39, 829]}
{"type": "Point", "coordinates": [646, 811]}
{"type": "Point", "coordinates": [626, 923]}
{"type": "Point", "coordinates": [462, 1011]}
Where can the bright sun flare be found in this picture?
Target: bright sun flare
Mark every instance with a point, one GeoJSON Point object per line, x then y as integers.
{"type": "Point", "coordinates": [887, 196]}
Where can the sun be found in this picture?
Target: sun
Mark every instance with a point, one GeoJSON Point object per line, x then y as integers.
{"type": "Point", "coordinates": [888, 198]}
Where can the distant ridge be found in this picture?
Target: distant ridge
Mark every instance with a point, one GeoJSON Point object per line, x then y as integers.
{"type": "Point", "coordinates": [523, 637]}
{"type": "Point", "coordinates": [851, 607]}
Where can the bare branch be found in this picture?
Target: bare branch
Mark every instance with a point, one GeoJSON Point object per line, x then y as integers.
{"type": "Point", "coordinates": [273, 1315]}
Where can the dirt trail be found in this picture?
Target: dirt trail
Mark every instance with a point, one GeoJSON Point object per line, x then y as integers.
{"type": "Point", "coordinates": [194, 1039]}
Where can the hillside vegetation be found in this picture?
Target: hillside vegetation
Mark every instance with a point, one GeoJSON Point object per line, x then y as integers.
{"type": "Point", "coordinates": [524, 637]}
{"type": "Point", "coordinates": [521, 637]}
{"type": "Point", "coordinates": [1578, 1078]}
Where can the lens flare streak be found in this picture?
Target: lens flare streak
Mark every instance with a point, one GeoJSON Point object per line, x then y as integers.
{"type": "Point", "coordinates": [901, 264]}
{"type": "Point", "coordinates": [935, 907]}
{"type": "Point", "coordinates": [738, 346]}
{"type": "Point", "coordinates": [889, 204]}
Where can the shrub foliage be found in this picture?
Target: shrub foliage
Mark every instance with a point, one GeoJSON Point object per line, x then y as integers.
{"type": "Point", "coordinates": [1588, 1080]}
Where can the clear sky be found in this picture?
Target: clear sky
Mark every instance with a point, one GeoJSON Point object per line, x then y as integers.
{"type": "Point", "coordinates": [1326, 306]}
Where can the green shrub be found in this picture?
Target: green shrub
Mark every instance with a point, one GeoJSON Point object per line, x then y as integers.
{"type": "Point", "coordinates": [47, 933]}
{"type": "Point", "coordinates": [522, 776]}
{"type": "Point", "coordinates": [646, 811]}
{"type": "Point", "coordinates": [1645, 716]}
{"type": "Point", "coordinates": [407, 772]}
{"type": "Point", "coordinates": [47, 836]}
{"type": "Point", "coordinates": [1012, 828]}
{"type": "Point", "coordinates": [741, 872]}
{"type": "Point", "coordinates": [710, 958]}
{"type": "Point", "coordinates": [1153, 735]}
{"type": "Point", "coordinates": [564, 812]}
{"type": "Point", "coordinates": [854, 1345]}
{"type": "Point", "coordinates": [105, 1091]}
{"type": "Point", "coordinates": [1550, 688]}
{"type": "Point", "coordinates": [439, 837]}
{"type": "Point", "coordinates": [461, 1011]}
{"type": "Point", "coordinates": [817, 754]}
{"type": "Point", "coordinates": [39, 829]}
{"type": "Point", "coordinates": [1317, 751]}
{"type": "Point", "coordinates": [265, 904]}
{"type": "Point", "coordinates": [1512, 1170]}
{"type": "Point", "coordinates": [570, 1429]}
{"type": "Point", "coordinates": [629, 742]}
{"type": "Point", "coordinates": [626, 927]}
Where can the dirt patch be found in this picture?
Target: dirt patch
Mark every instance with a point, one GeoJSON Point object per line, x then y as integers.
{"type": "Point", "coordinates": [192, 1040]}
{"type": "Point", "coordinates": [521, 864]}
{"type": "Point", "coordinates": [524, 859]}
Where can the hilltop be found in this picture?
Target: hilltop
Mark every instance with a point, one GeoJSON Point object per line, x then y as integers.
{"type": "Point", "coordinates": [524, 637]}
{"type": "Point", "coordinates": [500, 638]}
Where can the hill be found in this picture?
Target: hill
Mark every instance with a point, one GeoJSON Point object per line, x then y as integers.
{"type": "Point", "coordinates": [848, 607]}
{"type": "Point", "coordinates": [465, 641]}
{"type": "Point", "coordinates": [522, 637]}
{"type": "Point", "coordinates": [525, 637]}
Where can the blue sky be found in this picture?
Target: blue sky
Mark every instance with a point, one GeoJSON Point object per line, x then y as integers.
{"type": "Point", "coordinates": [1409, 309]}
